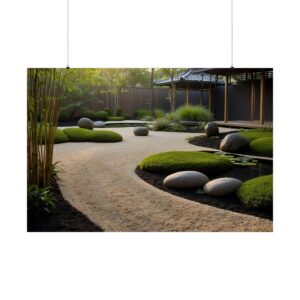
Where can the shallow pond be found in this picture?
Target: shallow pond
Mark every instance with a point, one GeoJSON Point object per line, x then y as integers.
{"type": "Point", "coordinates": [245, 168]}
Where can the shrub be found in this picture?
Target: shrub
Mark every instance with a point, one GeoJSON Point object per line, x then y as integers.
{"type": "Point", "coordinates": [115, 119]}
{"type": "Point", "coordinates": [97, 136]}
{"type": "Point", "coordinates": [108, 110]}
{"type": "Point", "coordinates": [89, 114]}
{"type": "Point", "coordinates": [60, 137]}
{"type": "Point", "coordinates": [161, 124]}
{"type": "Point", "coordinates": [262, 146]}
{"type": "Point", "coordinates": [126, 116]}
{"type": "Point", "coordinates": [159, 113]}
{"type": "Point", "coordinates": [142, 113]}
{"type": "Point", "coordinates": [257, 192]}
{"type": "Point", "coordinates": [119, 112]}
{"type": "Point", "coordinates": [64, 116]}
{"type": "Point", "coordinates": [101, 115]}
{"type": "Point", "coordinates": [174, 161]}
{"type": "Point", "coordinates": [193, 113]}
{"type": "Point", "coordinates": [253, 134]}
{"type": "Point", "coordinates": [176, 127]}
{"type": "Point", "coordinates": [40, 199]}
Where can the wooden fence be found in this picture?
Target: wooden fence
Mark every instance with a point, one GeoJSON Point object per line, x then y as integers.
{"type": "Point", "coordinates": [133, 98]}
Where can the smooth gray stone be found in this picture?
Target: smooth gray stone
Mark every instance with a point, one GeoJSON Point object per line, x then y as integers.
{"type": "Point", "coordinates": [186, 179]}
{"type": "Point", "coordinates": [211, 129]}
{"type": "Point", "coordinates": [86, 123]}
{"type": "Point", "coordinates": [99, 124]}
{"type": "Point", "coordinates": [140, 131]}
{"type": "Point", "coordinates": [233, 142]}
{"type": "Point", "coordinates": [222, 186]}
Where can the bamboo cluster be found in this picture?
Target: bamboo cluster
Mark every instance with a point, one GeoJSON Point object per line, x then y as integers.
{"type": "Point", "coordinates": [44, 87]}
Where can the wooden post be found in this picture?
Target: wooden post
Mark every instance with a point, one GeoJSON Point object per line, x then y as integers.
{"type": "Point", "coordinates": [226, 100]}
{"type": "Point", "coordinates": [262, 98]}
{"type": "Point", "coordinates": [209, 99]}
{"type": "Point", "coordinates": [187, 99]}
{"type": "Point", "coordinates": [252, 112]}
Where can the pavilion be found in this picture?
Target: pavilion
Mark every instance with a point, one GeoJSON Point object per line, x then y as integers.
{"type": "Point", "coordinates": [220, 80]}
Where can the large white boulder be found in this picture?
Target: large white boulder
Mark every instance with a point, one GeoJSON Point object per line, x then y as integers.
{"type": "Point", "coordinates": [222, 186]}
{"type": "Point", "coordinates": [186, 179]}
{"type": "Point", "coordinates": [234, 142]}
{"type": "Point", "coordinates": [86, 123]}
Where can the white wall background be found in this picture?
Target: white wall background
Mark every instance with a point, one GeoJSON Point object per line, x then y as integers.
{"type": "Point", "coordinates": [131, 33]}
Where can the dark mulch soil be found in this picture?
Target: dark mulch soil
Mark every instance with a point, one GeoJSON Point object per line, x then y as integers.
{"type": "Point", "coordinates": [209, 142]}
{"type": "Point", "coordinates": [214, 142]}
{"type": "Point", "coordinates": [231, 202]}
{"type": "Point", "coordinates": [64, 218]}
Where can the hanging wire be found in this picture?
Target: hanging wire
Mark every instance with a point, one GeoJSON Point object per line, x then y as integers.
{"type": "Point", "coordinates": [231, 33]}
{"type": "Point", "coordinates": [68, 34]}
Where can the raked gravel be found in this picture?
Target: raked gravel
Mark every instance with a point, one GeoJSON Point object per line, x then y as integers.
{"type": "Point", "coordinates": [99, 180]}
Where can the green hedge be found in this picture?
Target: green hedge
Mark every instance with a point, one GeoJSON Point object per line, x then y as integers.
{"type": "Point", "coordinates": [262, 146]}
{"type": "Point", "coordinates": [101, 115]}
{"type": "Point", "coordinates": [174, 161]}
{"type": "Point", "coordinates": [97, 136]}
{"type": "Point", "coordinates": [89, 114]}
{"type": "Point", "coordinates": [257, 192]}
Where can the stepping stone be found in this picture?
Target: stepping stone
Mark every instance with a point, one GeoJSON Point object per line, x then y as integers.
{"type": "Point", "coordinates": [234, 142]}
{"type": "Point", "coordinates": [222, 186]}
{"type": "Point", "coordinates": [186, 179]}
{"type": "Point", "coordinates": [141, 131]}
{"type": "Point", "coordinates": [211, 129]}
{"type": "Point", "coordinates": [99, 124]}
{"type": "Point", "coordinates": [86, 123]}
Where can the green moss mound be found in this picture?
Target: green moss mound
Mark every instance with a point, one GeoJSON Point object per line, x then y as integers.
{"type": "Point", "coordinates": [257, 192]}
{"type": "Point", "coordinates": [175, 161]}
{"type": "Point", "coordinates": [254, 134]}
{"type": "Point", "coordinates": [97, 136]}
{"type": "Point", "coordinates": [262, 146]}
{"type": "Point", "coordinates": [60, 137]}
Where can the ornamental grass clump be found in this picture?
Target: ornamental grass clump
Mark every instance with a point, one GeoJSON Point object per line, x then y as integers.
{"type": "Point", "coordinates": [193, 113]}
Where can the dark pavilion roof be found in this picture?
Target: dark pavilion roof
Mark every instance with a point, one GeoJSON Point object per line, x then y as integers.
{"type": "Point", "coordinates": [242, 74]}
{"type": "Point", "coordinates": [192, 78]}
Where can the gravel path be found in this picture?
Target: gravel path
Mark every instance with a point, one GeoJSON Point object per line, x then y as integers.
{"type": "Point", "coordinates": [99, 180]}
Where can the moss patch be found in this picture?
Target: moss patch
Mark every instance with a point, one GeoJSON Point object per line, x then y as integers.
{"type": "Point", "coordinates": [60, 137]}
{"type": "Point", "coordinates": [262, 146]}
{"type": "Point", "coordinates": [253, 134]}
{"type": "Point", "coordinates": [257, 192]}
{"type": "Point", "coordinates": [97, 136]}
{"type": "Point", "coordinates": [174, 161]}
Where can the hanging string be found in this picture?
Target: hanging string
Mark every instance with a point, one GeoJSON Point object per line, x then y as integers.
{"type": "Point", "coordinates": [68, 34]}
{"type": "Point", "coordinates": [231, 33]}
